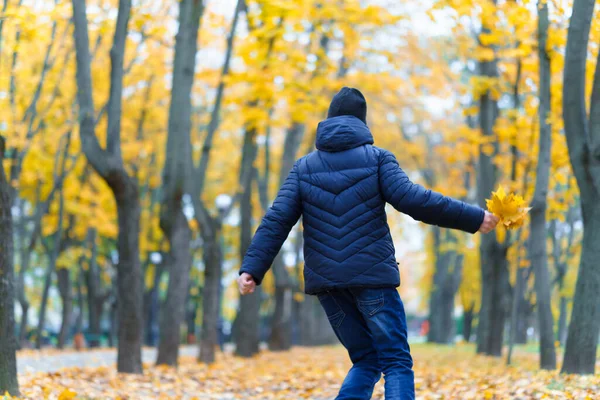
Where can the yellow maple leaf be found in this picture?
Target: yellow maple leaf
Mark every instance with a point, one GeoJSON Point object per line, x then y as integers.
{"type": "Point", "coordinates": [510, 208]}
{"type": "Point", "coordinates": [67, 394]}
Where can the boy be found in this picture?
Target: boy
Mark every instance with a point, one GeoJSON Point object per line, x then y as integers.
{"type": "Point", "coordinates": [340, 191]}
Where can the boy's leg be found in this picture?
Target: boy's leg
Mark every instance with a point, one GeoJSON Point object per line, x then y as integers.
{"type": "Point", "coordinates": [384, 314]}
{"type": "Point", "coordinates": [351, 329]}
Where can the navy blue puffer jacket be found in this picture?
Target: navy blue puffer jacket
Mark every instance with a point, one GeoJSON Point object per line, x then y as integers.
{"type": "Point", "coordinates": [341, 191]}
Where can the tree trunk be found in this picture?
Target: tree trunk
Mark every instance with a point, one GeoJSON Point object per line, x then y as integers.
{"type": "Point", "coordinates": [95, 299]}
{"type": "Point", "coordinates": [211, 312]}
{"type": "Point", "coordinates": [446, 279]}
{"type": "Point", "coordinates": [280, 338]}
{"type": "Point", "coordinates": [494, 299]}
{"type": "Point", "coordinates": [93, 292]}
{"type": "Point", "coordinates": [315, 329]}
{"type": "Point", "coordinates": [583, 140]}
{"type": "Point", "coordinates": [494, 269]}
{"type": "Point", "coordinates": [44, 303]}
{"type": "Point", "coordinates": [524, 311]}
{"type": "Point", "coordinates": [151, 305]}
{"type": "Point", "coordinates": [21, 296]}
{"type": "Point", "coordinates": [173, 310]}
{"type": "Point", "coordinates": [66, 296]}
{"type": "Point", "coordinates": [8, 361]}
{"type": "Point", "coordinates": [537, 239]}
{"type": "Point", "coordinates": [561, 334]}
{"type": "Point", "coordinates": [248, 318]}
{"type": "Point", "coordinates": [114, 322]}
{"type": "Point", "coordinates": [191, 307]}
{"type": "Point", "coordinates": [80, 305]}
{"type": "Point", "coordinates": [24, 321]}
{"type": "Point", "coordinates": [109, 165]}
{"type": "Point", "coordinates": [468, 325]}
{"type": "Point", "coordinates": [211, 227]}
{"type": "Point", "coordinates": [176, 180]}
{"type": "Point", "coordinates": [129, 281]}
{"type": "Point", "coordinates": [515, 320]}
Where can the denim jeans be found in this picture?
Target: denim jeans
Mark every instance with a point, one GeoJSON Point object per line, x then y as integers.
{"type": "Point", "coordinates": [371, 325]}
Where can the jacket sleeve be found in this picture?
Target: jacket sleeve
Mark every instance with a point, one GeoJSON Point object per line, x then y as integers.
{"type": "Point", "coordinates": [424, 205]}
{"type": "Point", "coordinates": [274, 228]}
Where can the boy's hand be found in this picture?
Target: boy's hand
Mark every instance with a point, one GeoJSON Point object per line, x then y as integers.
{"type": "Point", "coordinates": [489, 223]}
{"type": "Point", "coordinates": [246, 284]}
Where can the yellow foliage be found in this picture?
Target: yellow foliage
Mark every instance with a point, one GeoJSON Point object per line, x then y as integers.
{"type": "Point", "coordinates": [67, 394]}
{"type": "Point", "coordinates": [509, 208]}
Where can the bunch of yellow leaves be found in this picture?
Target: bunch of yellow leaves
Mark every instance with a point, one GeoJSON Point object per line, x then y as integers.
{"type": "Point", "coordinates": [511, 208]}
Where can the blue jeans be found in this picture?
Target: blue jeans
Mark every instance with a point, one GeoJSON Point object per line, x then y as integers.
{"type": "Point", "coordinates": [371, 325]}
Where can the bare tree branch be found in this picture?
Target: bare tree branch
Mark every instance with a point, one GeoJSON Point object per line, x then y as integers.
{"type": "Point", "coordinates": [117, 55]}
{"type": "Point", "coordinates": [98, 158]}
{"type": "Point", "coordinates": [200, 172]}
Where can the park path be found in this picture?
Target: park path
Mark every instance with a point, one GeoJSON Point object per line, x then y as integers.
{"type": "Point", "coordinates": [54, 361]}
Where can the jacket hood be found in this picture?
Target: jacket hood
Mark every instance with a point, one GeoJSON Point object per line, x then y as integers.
{"type": "Point", "coordinates": [342, 133]}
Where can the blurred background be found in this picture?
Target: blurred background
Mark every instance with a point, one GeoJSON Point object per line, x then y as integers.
{"type": "Point", "coordinates": [143, 141]}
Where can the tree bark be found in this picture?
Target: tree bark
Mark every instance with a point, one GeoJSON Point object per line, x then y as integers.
{"type": "Point", "coordinates": [494, 301]}
{"type": "Point", "coordinates": [80, 303]}
{"type": "Point", "coordinates": [215, 119]}
{"type": "Point", "coordinates": [109, 165]}
{"type": "Point", "coordinates": [248, 318]}
{"type": "Point", "coordinates": [515, 321]}
{"type": "Point", "coordinates": [211, 312]}
{"type": "Point", "coordinates": [151, 308]}
{"type": "Point", "coordinates": [211, 227]}
{"type": "Point", "coordinates": [247, 339]}
{"type": "Point", "coordinates": [114, 322]}
{"type": "Point", "coordinates": [22, 297]}
{"type": "Point", "coordinates": [446, 279]}
{"type": "Point", "coordinates": [494, 266]}
{"type": "Point", "coordinates": [66, 296]}
{"type": "Point", "coordinates": [176, 178]}
{"type": "Point", "coordinates": [129, 281]}
{"type": "Point", "coordinates": [190, 316]}
{"type": "Point", "coordinates": [315, 329]}
{"type": "Point", "coordinates": [561, 334]}
{"type": "Point", "coordinates": [561, 266]}
{"type": "Point", "coordinates": [468, 325]}
{"type": "Point", "coordinates": [537, 240]}
{"type": "Point", "coordinates": [95, 300]}
{"type": "Point", "coordinates": [583, 141]}
{"type": "Point", "coordinates": [173, 310]}
{"type": "Point", "coordinates": [524, 312]}
{"type": "Point", "coordinates": [8, 361]}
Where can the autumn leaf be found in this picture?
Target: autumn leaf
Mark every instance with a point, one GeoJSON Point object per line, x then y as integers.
{"type": "Point", "coordinates": [511, 208]}
{"type": "Point", "coordinates": [440, 372]}
{"type": "Point", "coordinates": [67, 394]}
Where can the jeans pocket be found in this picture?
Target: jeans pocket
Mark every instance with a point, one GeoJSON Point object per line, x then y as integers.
{"type": "Point", "coordinates": [334, 312]}
{"type": "Point", "coordinates": [369, 301]}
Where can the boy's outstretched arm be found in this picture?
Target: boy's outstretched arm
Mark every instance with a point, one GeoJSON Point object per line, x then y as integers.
{"type": "Point", "coordinates": [426, 205]}
{"type": "Point", "coordinates": [271, 234]}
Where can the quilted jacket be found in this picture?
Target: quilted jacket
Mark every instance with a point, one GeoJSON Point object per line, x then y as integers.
{"type": "Point", "coordinates": [341, 191]}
